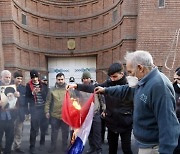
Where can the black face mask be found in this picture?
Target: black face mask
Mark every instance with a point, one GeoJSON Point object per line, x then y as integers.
{"type": "Point", "coordinates": [115, 82]}
{"type": "Point", "coordinates": [176, 88]}
{"type": "Point", "coordinates": [121, 81]}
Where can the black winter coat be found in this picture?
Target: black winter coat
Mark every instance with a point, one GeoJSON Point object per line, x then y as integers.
{"type": "Point", "coordinates": [119, 116]}
{"type": "Point", "coordinates": [30, 97]}
{"type": "Point", "coordinates": [177, 91]}
{"type": "Point", "coordinates": [22, 105]}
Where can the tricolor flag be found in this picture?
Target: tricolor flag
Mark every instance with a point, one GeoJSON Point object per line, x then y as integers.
{"type": "Point", "coordinates": [77, 112]}
{"type": "Point", "coordinates": [83, 133]}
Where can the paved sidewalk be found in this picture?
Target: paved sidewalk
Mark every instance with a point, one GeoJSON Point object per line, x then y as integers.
{"type": "Point", "coordinates": [25, 143]}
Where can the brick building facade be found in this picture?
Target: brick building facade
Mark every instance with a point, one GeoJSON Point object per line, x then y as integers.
{"type": "Point", "coordinates": [31, 31]}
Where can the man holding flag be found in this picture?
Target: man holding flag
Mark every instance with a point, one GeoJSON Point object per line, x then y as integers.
{"type": "Point", "coordinates": [95, 141]}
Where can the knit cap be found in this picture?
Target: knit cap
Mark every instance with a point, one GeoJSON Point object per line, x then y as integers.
{"type": "Point", "coordinates": [34, 73]}
{"type": "Point", "coordinates": [86, 75]}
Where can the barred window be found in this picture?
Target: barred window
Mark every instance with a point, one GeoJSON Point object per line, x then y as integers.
{"type": "Point", "coordinates": [24, 22]}
{"type": "Point", "coordinates": [115, 15]}
{"type": "Point", "coordinates": [161, 3]}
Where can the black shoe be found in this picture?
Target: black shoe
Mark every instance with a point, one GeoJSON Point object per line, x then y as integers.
{"type": "Point", "coordinates": [52, 149]}
{"type": "Point", "coordinates": [32, 151]}
{"type": "Point", "coordinates": [90, 151]}
{"type": "Point", "coordinates": [18, 150]}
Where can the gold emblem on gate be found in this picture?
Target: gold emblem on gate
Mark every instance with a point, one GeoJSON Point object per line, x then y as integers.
{"type": "Point", "coordinates": [71, 44]}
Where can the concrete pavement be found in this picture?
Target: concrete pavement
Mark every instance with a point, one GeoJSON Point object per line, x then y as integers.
{"type": "Point", "coordinates": [25, 143]}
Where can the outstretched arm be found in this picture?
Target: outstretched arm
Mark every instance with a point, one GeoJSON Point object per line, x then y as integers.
{"type": "Point", "coordinates": [82, 87]}
{"type": "Point", "coordinates": [123, 92]}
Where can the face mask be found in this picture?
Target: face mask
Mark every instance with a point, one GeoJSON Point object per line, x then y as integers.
{"type": "Point", "coordinates": [178, 85]}
{"type": "Point", "coordinates": [132, 81]}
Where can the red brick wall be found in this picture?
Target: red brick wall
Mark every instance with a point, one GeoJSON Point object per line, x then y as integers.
{"type": "Point", "coordinates": [106, 28]}
{"type": "Point", "coordinates": [1, 51]}
{"type": "Point", "coordinates": [156, 28]}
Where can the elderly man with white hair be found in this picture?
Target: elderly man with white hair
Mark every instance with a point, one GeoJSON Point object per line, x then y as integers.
{"type": "Point", "coordinates": [7, 116]}
{"type": "Point", "coordinates": [155, 124]}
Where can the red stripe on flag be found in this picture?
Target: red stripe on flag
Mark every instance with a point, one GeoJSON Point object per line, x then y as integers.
{"type": "Point", "coordinates": [72, 116]}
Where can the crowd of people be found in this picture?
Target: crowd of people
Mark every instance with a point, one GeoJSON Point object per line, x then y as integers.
{"type": "Point", "coordinates": [139, 99]}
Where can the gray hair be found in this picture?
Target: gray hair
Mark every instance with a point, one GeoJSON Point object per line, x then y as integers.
{"type": "Point", "coordinates": [4, 72]}
{"type": "Point", "coordinates": [139, 57]}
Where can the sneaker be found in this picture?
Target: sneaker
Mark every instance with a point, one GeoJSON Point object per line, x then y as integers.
{"type": "Point", "coordinates": [18, 150]}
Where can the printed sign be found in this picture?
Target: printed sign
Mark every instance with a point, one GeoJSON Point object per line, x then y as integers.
{"type": "Point", "coordinates": [7, 96]}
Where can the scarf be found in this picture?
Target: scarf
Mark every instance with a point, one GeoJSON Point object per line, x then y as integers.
{"type": "Point", "coordinates": [32, 89]}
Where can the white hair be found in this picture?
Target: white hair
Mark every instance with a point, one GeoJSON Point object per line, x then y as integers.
{"type": "Point", "coordinates": [139, 57]}
{"type": "Point", "coordinates": [4, 72]}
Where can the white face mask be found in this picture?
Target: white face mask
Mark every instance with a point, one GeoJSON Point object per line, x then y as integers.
{"type": "Point", "coordinates": [178, 85]}
{"type": "Point", "coordinates": [132, 81]}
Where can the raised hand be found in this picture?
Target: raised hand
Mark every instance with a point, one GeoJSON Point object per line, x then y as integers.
{"type": "Point", "coordinates": [71, 86]}
{"type": "Point", "coordinates": [99, 90]}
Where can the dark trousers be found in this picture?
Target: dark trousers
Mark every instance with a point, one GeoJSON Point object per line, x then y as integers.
{"type": "Point", "coordinates": [55, 125]}
{"type": "Point", "coordinates": [38, 121]}
{"type": "Point", "coordinates": [103, 130]}
{"type": "Point", "coordinates": [177, 149]}
{"type": "Point", "coordinates": [113, 139]}
{"type": "Point", "coordinates": [7, 127]}
{"type": "Point", "coordinates": [95, 139]}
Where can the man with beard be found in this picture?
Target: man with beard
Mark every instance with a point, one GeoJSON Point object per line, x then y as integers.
{"type": "Point", "coordinates": [53, 110]}
{"type": "Point", "coordinates": [118, 113]}
{"type": "Point", "coordinates": [36, 93]}
{"type": "Point", "coordinates": [176, 86]}
{"type": "Point", "coordinates": [11, 99]}
{"type": "Point", "coordinates": [155, 125]}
